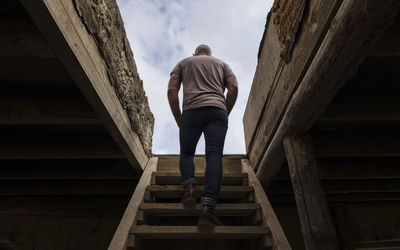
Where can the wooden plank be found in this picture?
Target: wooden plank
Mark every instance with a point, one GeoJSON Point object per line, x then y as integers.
{"type": "Point", "coordinates": [343, 197]}
{"type": "Point", "coordinates": [357, 144]}
{"type": "Point", "coordinates": [356, 27]}
{"type": "Point", "coordinates": [314, 25]}
{"type": "Point", "coordinates": [120, 238]}
{"type": "Point", "coordinates": [352, 169]}
{"type": "Point", "coordinates": [44, 73]}
{"type": "Point", "coordinates": [270, 59]}
{"type": "Point", "coordinates": [67, 169]}
{"type": "Point", "coordinates": [379, 244]}
{"type": "Point", "coordinates": [47, 144]}
{"type": "Point", "coordinates": [175, 178]}
{"type": "Point", "coordinates": [177, 209]}
{"type": "Point", "coordinates": [66, 187]}
{"type": "Point", "coordinates": [77, 206]}
{"type": "Point", "coordinates": [344, 186]}
{"type": "Point", "coordinates": [60, 24]}
{"type": "Point", "coordinates": [363, 106]}
{"type": "Point", "coordinates": [170, 163]}
{"type": "Point", "coordinates": [316, 221]}
{"type": "Point", "coordinates": [389, 44]}
{"type": "Point", "coordinates": [177, 191]}
{"type": "Point", "coordinates": [21, 38]}
{"type": "Point", "coordinates": [46, 108]}
{"type": "Point", "coordinates": [269, 216]}
{"type": "Point", "coordinates": [194, 232]}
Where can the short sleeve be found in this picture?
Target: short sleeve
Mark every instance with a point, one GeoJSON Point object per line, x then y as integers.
{"type": "Point", "coordinates": [177, 70]}
{"type": "Point", "coordinates": [227, 71]}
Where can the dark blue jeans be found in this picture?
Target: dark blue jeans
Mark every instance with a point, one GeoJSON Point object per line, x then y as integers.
{"type": "Point", "coordinates": [213, 122]}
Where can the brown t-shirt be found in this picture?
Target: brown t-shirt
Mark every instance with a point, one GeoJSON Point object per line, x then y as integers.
{"type": "Point", "coordinates": [203, 79]}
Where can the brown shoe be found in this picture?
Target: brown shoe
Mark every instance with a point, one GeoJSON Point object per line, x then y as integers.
{"type": "Point", "coordinates": [208, 218]}
{"type": "Point", "coordinates": [189, 198]}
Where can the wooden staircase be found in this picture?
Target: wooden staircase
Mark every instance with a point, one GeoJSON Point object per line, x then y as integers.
{"type": "Point", "coordinates": [155, 218]}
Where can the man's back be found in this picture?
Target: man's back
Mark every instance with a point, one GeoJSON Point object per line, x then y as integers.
{"type": "Point", "coordinates": [203, 79]}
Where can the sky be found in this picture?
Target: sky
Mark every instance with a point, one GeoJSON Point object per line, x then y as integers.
{"type": "Point", "coordinates": [162, 32]}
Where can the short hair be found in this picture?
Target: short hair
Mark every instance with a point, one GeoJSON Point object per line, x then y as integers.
{"type": "Point", "coordinates": [203, 49]}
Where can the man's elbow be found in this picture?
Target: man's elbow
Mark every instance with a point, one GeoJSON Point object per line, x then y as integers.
{"type": "Point", "coordinates": [233, 89]}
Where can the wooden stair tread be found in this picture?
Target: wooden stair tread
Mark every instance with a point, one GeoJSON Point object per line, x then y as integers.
{"type": "Point", "coordinates": [174, 178]}
{"type": "Point", "coordinates": [222, 209]}
{"type": "Point", "coordinates": [194, 232]}
{"type": "Point", "coordinates": [176, 191]}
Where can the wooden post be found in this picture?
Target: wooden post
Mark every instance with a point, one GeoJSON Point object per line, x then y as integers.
{"type": "Point", "coordinates": [315, 218]}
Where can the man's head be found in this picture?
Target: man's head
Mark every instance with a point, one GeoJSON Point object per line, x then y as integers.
{"type": "Point", "coordinates": [202, 50]}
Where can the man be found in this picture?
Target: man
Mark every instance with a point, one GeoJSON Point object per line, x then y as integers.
{"type": "Point", "coordinates": [205, 110]}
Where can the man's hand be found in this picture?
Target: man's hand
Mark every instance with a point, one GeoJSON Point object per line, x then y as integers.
{"type": "Point", "coordinates": [232, 87]}
{"type": "Point", "coordinates": [173, 88]}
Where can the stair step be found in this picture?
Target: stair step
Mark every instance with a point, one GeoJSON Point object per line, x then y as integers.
{"type": "Point", "coordinates": [174, 178]}
{"type": "Point", "coordinates": [194, 232]}
{"type": "Point", "coordinates": [177, 191]}
{"type": "Point", "coordinates": [177, 209]}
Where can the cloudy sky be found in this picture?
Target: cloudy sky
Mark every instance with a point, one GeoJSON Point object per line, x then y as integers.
{"type": "Point", "coordinates": [162, 32]}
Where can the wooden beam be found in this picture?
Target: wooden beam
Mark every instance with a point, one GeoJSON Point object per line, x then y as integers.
{"type": "Point", "coordinates": [344, 186]}
{"type": "Point", "coordinates": [66, 187]}
{"type": "Point", "coordinates": [274, 83]}
{"type": "Point", "coordinates": [355, 28]}
{"type": "Point", "coordinates": [344, 197]}
{"type": "Point", "coordinates": [46, 108]}
{"type": "Point", "coordinates": [40, 73]}
{"type": "Point", "coordinates": [60, 24]}
{"type": "Point", "coordinates": [120, 238]}
{"type": "Point", "coordinates": [21, 38]}
{"type": "Point", "coordinates": [46, 144]}
{"type": "Point", "coordinates": [315, 218]}
{"type": "Point", "coordinates": [194, 232]}
{"type": "Point", "coordinates": [353, 169]}
{"type": "Point", "coordinates": [361, 107]}
{"type": "Point", "coordinates": [353, 144]}
{"type": "Point", "coordinates": [269, 216]}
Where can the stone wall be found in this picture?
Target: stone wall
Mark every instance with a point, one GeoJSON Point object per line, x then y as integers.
{"type": "Point", "coordinates": [104, 22]}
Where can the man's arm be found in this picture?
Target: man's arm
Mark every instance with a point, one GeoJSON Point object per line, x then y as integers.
{"type": "Point", "coordinates": [173, 88]}
{"type": "Point", "coordinates": [232, 87]}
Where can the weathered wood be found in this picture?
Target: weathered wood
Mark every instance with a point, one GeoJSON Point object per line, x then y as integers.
{"type": "Point", "coordinates": [381, 244]}
{"type": "Point", "coordinates": [177, 191]}
{"type": "Point", "coordinates": [363, 106]}
{"type": "Point", "coordinates": [355, 28]}
{"type": "Point", "coordinates": [357, 144]}
{"type": "Point", "coordinates": [120, 238]}
{"type": "Point", "coordinates": [60, 24]}
{"type": "Point", "coordinates": [352, 169]}
{"type": "Point", "coordinates": [175, 178]}
{"type": "Point", "coordinates": [344, 186]}
{"type": "Point", "coordinates": [269, 217]}
{"type": "Point", "coordinates": [170, 163]}
{"type": "Point", "coordinates": [278, 83]}
{"type": "Point", "coordinates": [46, 108]}
{"type": "Point", "coordinates": [67, 169]}
{"type": "Point", "coordinates": [46, 144]}
{"type": "Point", "coordinates": [66, 187]}
{"type": "Point", "coordinates": [44, 73]}
{"type": "Point", "coordinates": [343, 197]}
{"type": "Point", "coordinates": [21, 38]}
{"type": "Point", "coordinates": [194, 232]}
{"type": "Point", "coordinates": [177, 209]}
{"type": "Point", "coordinates": [315, 218]}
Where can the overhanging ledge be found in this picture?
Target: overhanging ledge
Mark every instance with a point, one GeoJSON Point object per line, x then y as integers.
{"type": "Point", "coordinates": [60, 24]}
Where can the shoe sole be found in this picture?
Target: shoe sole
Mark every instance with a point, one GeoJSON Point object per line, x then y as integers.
{"type": "Point", "coordinates": [205, 224]}
{"type": "Point", "coordinates": [189, 202]}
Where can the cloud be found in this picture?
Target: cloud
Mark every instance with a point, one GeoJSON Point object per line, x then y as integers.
{"type": "Point", "coordinates": [161, 33]}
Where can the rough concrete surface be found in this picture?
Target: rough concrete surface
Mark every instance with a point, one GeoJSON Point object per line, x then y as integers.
{"type": "Point", "coordinates": [287, 17]}
{"type": "Point", "coordinates": [104, 22]}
